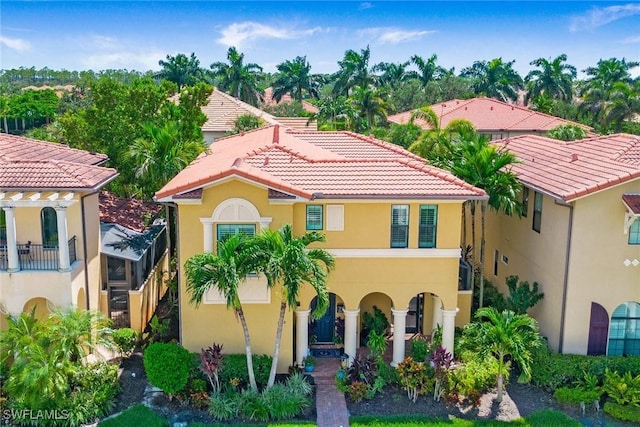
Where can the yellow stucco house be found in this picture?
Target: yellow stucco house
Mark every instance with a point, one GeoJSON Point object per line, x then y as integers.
{"type": "Point", "coordinates": [51, 252]}
{"type": "Point", "coordinates": [392, 223]}
{"type": "Point", "coordinates": [49, 225]}
{"type": "Point", "coordinates": [578, 237]}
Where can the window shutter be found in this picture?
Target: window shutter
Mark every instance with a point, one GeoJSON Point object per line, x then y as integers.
{"type": "Point", "coordinates": [428, 226]}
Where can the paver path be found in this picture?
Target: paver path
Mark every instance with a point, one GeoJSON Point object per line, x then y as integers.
{"type": "Point", "coordinates": [331, 406]}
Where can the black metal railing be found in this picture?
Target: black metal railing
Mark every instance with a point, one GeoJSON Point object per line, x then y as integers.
{"type": "Point", "coordinates": [33, 256]}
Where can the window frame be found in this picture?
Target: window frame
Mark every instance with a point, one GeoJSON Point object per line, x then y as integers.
{"type": "Point", "coordinates": [396, 227]}
{"type": "Point", "coordinates": [524, 211]}
{"type": "Point", "coordinates": [423, 228]}
{"type": "Point", "coordinates": [634, 232]}
{"type": "Point", "coordinates": [314, 224]}
{"type": "Point", "coordinates": [238, 226]}
{"type": "Point", "coordinates": [49, 227]}
{"type": "Point", "coordinates": [536, 224]}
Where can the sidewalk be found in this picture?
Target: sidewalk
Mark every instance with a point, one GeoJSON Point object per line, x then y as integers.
{"type": "Point", "coordinates": [331, 406]}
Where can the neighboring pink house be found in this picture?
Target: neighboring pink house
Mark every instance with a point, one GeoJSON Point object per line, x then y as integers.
{"type": "Point", "coordinates": [491, 117]}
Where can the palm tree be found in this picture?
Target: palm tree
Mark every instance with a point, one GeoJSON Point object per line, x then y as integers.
{"type": "Point", "coordinates": [495, 79]}
{"type": "Point", "coordinates": [624, 104]}
{"type": "Point", "coordinates": [370, 104]}
{"type": "Point", "coordinates": [428, 71]}
{"type": "Point", "coordinates": [182, 70]}
{"type": "Point", "coordinates": [161, 154]}
{"type": "Point", "coordinates": [225, 272]}
{"type": "Point", "coordinates": [555, 79]}
{"type": "Point", "coordinates": [238, 79]}
{"type": "Point", "coordinates": [294, 78]}
{"type": "Point", "coordinates": [287, 263]}
{"type": "Point", "coordinates": [354, 71]}
{"type": "Point", "coordinates": [505, 336]}
{"type": "Point", "coordinates": [484, 166]}
{"type": "Point", "coordinates": [335, 114]}
{"type": "Point", "coordinates": [393, 74]}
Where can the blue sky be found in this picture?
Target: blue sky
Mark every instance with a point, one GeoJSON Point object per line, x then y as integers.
{"type": "Point", "coordinates": [101, 35]}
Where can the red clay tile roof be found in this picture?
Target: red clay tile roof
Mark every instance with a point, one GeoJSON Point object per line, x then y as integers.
{"type": "Point", "coordinates": [29, 164]}
{"type": "Point", "coordinates": [571, 170]}
{"type": "Point", "coordinates": [21, 148]}
{"type": "Point", "coordinates": [633, 202]}
{"type": "Point", "coordinates": [489, 115]}
{"type": "Point", "coordinates": [130, 213]}
{"type": "Point", "coordinates": [320, 164]}
{"type": "Point", "coordinates": [223, 110]}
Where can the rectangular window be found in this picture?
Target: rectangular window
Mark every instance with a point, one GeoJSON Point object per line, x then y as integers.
{"type": "Point", "coordinates": [335, 217]}
{"type": "Point", "coordinates": [428, 226]}
{"type": "Point", "coordinates": [496, 257]}
{"type": "Point", "coordinates": [525, 201]}
{"type": "Point", "coordinates": [634, 232]}
{"type": "Point", "coordinates": [537, 212]}
{"type": "Point", "coordinates": [314, 217]}
{"type": "Point", "coordinates": [399, 226]}
{"type": "Point", "coordinates": [227, 230]}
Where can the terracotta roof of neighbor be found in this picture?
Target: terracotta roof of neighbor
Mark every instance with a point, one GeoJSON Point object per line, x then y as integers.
{"type": "Point", "coordinates": [133, 214]}
{"type": "Point", "coordinates": [21, 148]}
{"type": "Point", "coordinates": [286, 98]}
{"type": "Point", "coordinates": [571, 170]}
{"type": "Point", "coordinates": [633, 202]}
{"type": "Point", "coordinates": [29, 164]}
{"type": "Point", "coordinates": [319, 164]}
{"type": "Point", "coordinates": [488, 114]}
{"type": "Point", "coordinates": [223, 109]}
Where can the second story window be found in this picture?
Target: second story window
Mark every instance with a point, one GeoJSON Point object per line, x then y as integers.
{"type": "Point", "coordinates": [428, 226]}
{"type": "Point", "coordinates": [525, 201]}
{"type": "Point", "coordinates": [49, 227]}
{"type": "Point", "coordinates": [399, 226]}
{"type": "Point", "coordinates": [314, 217]}
{"type": "Point", "coordinates": [537, 212]}
{"type": "Point", "coordinates": [634, 232]}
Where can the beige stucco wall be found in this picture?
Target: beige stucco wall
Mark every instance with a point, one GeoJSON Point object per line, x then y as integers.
{"type": "Point", "coordinates": [143, 302]}
{"type": "Point", "coordinates": [60, 288]}
{"type": "Point", "coordinates": [355, 280]}
{"type": "Point", "coordinates": [596, 267]}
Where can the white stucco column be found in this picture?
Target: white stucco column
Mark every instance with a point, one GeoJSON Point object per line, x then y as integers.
{"type": "Point", "coordinates": [351, 333]}
{"type": "Point", "coordinates": [399, 328]}
{"type": "Point", "coordinates": [448, 329]}
{"type": "Point", "coordinates": [207, 234]}
{"type": "Point", "coordinates": [13, 261]}
{"type": "Point", "coordinates": [63, 239]}
{"type": "Point", "coordinates": [302, 335]}
{"type": "Point", "coordinates": [437, 312]}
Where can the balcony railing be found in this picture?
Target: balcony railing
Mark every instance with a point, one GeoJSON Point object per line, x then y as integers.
{"type": "Point", "coordinates": [38, 257]}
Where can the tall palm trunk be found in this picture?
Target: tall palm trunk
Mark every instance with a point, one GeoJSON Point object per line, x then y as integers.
{"type": "Point", "coordinates": [276, 350]}
{"type": "Point", "coordinates": [247, 349]}
{"type": "Point", "coordinates": [483, 212]}
{"type": "Point", "coordinates": [500, 378]}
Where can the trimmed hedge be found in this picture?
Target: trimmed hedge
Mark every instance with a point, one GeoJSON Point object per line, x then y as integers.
{"type": "Point", "coordinates": [623, 412]}
{"type": "Point", "coordinates": [233, 370]}
{"type": "Point", "coordinates": [551, 370]}
{"type": "Point", "coordinates": [167, 366]}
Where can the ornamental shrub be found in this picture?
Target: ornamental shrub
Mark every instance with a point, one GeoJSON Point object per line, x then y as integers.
{"type": "Point", "coordinates": [167, 366]}
{"type": "Point", "coordinates": [415, 377]}
{"type": "Point", "coordinates": [623, 412]}
{"type": "Point", "coordinates": [623, 389]}
{"type": "Point", "coordinates": [125, 340]}
{"type": "Point", "coordinates": [233, 370]}
{"type": "Point", "coordinates": [575, 395]}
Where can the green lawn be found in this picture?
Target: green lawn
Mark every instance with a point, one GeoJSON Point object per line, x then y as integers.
{"type": "Point", "coordinates": [140, 415]}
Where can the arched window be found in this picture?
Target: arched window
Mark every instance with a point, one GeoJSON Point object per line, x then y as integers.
{"type": "Point", "coordinates": [624, 333]}
{"type": "Point", "coordinates": [49, 224]}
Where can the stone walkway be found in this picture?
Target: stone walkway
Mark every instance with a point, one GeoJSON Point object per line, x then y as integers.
{"type": "Point", "coordinates": [331, 405]}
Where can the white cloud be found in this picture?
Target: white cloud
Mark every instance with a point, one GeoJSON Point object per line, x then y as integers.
{"type": "Point", "coordinates": [631, 40]}
{"type": "Point", "coordinates": [15, 44]}
{"type": "Point", "coordinates": [125, 59]}
{"type": "Point", "coordinates": [393, 35]}
{"type": "Point", "coordinates": [598, 17]}
{"type": "Point", "coordinates": [366, 5]}
{"type": "Point", "coordinates": [237, 34]}
{"type": "Point", "coordinates": [104, 42]}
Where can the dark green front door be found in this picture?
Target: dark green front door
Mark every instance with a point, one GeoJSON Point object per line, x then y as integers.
{"type": "Point", "coordinates": [325, 325]}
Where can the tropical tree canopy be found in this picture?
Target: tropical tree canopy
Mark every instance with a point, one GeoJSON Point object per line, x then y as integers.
{"type": "Point", "coordinates": [182, 70]}
{"type": "Point", "coordinates": [495, 79]}
{"type": "Point", "coordinates": [294, 77]}
{"type": "Point", "coordinates": [239, 79]}
{"type": "Point", "coordinates": [354, 71]}
{"type": "Point", "coordinates": [554, 79]}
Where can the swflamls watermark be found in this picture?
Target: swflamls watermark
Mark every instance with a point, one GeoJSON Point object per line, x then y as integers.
{"type": "Point", "coordinates": [35, 415]}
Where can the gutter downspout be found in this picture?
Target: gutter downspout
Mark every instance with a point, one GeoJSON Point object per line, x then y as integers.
{"type": "Point", "coordinates": [565, 284]}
